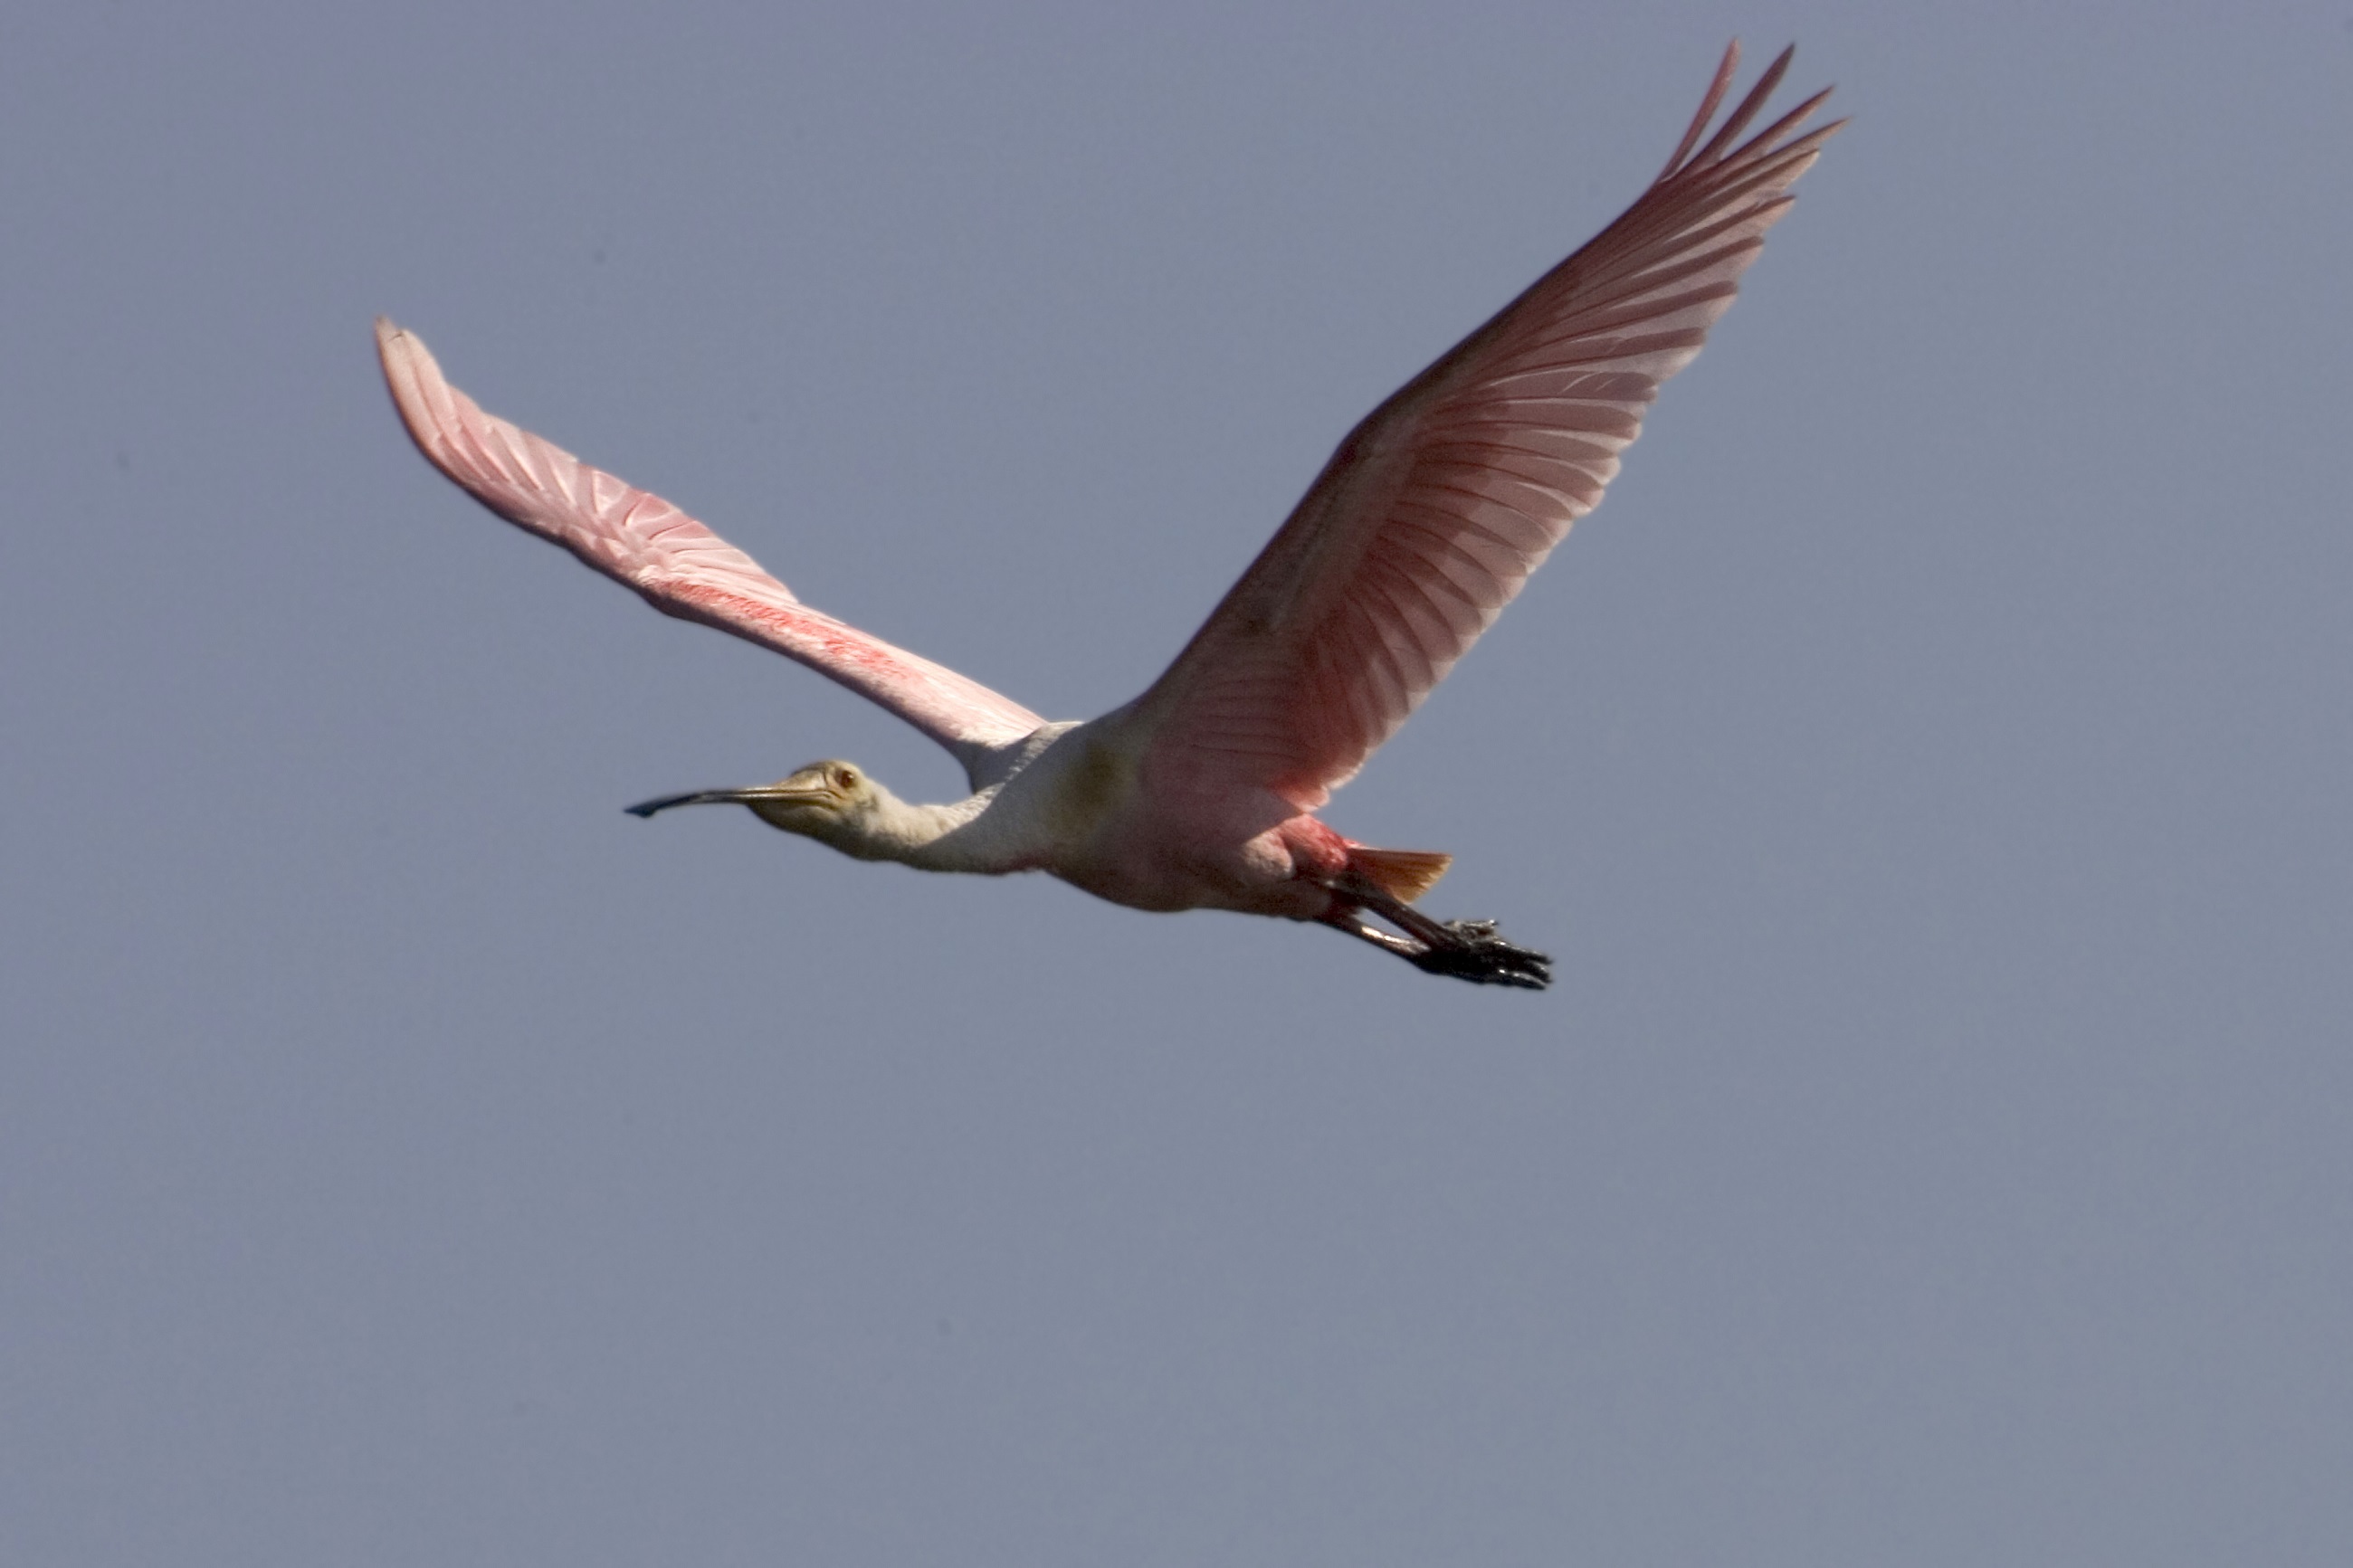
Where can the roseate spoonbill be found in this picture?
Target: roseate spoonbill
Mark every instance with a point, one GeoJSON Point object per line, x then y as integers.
{"type": "Point", "coordinates": [1202, 793]}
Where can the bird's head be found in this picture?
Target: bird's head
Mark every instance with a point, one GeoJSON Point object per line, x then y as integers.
{"type": "Point", "coordinates": [833, 802]}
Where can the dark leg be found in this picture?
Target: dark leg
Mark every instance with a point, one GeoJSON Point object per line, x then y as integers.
{"type": "Point", "coordinates": [1467, 950]}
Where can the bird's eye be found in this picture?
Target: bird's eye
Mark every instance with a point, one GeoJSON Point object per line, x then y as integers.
{"type": "Point", "coordinates": [846, 778]}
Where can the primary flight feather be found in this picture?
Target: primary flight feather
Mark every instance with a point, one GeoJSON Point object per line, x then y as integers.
{"type": "Point", "coordinates": [1201, 793]}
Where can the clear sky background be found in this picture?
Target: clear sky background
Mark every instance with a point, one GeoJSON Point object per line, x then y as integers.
{"type": "Point", "coordinates": [1930, 768]}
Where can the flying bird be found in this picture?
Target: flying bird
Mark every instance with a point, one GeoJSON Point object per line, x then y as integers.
{"type": "Point", "coordinates": [1203, 791]}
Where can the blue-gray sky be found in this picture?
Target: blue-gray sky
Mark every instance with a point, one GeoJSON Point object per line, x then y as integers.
{"type": "Point", "coordinates": [1930, 768]}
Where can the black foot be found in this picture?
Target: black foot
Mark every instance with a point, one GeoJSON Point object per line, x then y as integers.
{"type": "Point", "coordinates": [1477, 954]}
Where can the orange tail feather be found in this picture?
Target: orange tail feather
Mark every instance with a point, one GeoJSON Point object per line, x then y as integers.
{"type": "Point", "coordinates": [1403, 874]}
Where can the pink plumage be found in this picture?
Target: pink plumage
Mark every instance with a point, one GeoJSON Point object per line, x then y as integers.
{"type": "Point", "coordinates": [1424, 524]}
{"type": "Point", "coordinates": [677, 564]}
{"type": "Point", "coordinates": [1431, 515]}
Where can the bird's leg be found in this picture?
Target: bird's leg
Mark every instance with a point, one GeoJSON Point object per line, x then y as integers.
{"type": "Point", "coordinates": [1467, 950]}
{"type": "Point", "coordinates": [1344, 918]}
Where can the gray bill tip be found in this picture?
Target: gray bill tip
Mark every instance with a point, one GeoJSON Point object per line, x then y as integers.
{"type": "Point", "coordinates": [647, 807]}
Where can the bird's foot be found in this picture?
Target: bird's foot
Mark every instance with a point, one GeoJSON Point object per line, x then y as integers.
{"type": "Point", "coordinates": [1467, 950]}
{"type": "Point", "coordinates": [1471, 951]}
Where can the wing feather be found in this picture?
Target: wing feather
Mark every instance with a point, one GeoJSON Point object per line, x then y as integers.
{"type": "Point", "coordinates": [1435, 509]}
{"type": "Point", "coordinates": [675, 564]}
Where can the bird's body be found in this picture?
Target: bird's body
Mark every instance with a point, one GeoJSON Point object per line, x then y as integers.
{"type": "Point", "coordinates": [1067, 802]}
{"type": "Point", "coordinates": [1202, 793]}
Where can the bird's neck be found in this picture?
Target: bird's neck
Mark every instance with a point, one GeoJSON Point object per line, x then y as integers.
{"type": "Point", "coordinates": [1049, 799]}
{"type": "Point", "coordinates": [930, 837]}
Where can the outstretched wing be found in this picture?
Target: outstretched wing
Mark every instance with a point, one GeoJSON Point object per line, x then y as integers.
{"type": "Point", "coordinates": [1435, 509]}
{"type": "Point", "coordinates": [678, 566]}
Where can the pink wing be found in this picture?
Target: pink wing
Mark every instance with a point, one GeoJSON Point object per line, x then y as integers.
{"type": "Point", "coordinates": [680, 567]}
{"type": "Point", "coordinates": [1436, 509]}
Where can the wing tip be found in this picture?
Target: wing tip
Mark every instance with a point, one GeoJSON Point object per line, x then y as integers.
{"type": "Point", "coordinates": [397, 348]}
{"type": "Point", "coordinates": [1719, 145]}
{"type": "Point", "coordinates": [409, 372]}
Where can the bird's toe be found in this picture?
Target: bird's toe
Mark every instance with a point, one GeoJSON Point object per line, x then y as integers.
{"type": "Point", "coordinates": [1479, 955]}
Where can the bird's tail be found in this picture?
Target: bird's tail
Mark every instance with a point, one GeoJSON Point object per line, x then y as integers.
{"type": "Point", "coordinates": [1403, 874]}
